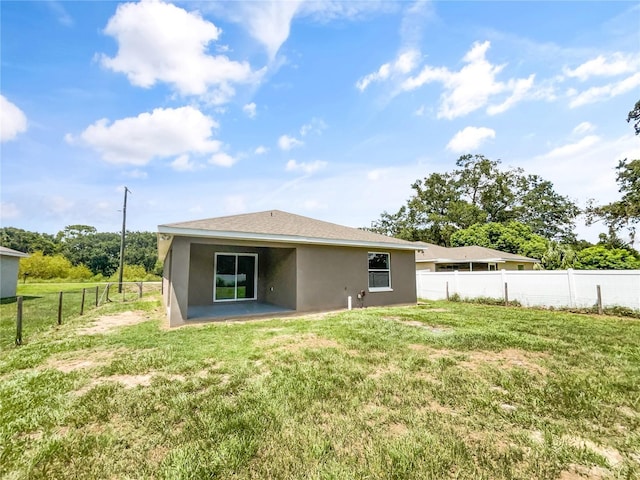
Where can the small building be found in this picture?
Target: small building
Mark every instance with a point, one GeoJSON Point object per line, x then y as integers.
{"type": "Point", "coordinates": [435, 258]}
{"type": "Point", "coordinates": [277, 263]}
{"type": "Point", "coordinates": [9, 262]}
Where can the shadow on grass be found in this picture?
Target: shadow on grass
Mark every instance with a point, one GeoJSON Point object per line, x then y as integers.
{"type": "Point", "coordinates": [10, 300]}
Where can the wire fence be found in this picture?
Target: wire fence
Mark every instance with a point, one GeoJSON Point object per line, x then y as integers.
{"type": "Point", "coordinates": [31, 313]}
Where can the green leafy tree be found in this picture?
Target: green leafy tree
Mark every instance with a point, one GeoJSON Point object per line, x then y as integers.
{"type": "Point", "coordinates": [634, 116]}
{"type": "Point", "coordinates": [624, 213]}
{"type": "Point", "coordinates": [44, 267]}
{"type": "Point", "coordinates": [28, 242]}
{"type": "Point", "coordinates": [600, 257]}
{"type": "Point", "coordinates": [512, 237]}
{"type": "Point", "coordinates": [479, 191]}
{"type": "Point", "coordinates": [558, 256]}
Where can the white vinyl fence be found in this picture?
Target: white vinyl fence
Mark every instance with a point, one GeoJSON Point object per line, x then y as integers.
{"type": "Point", "coordinates": [546, 288]}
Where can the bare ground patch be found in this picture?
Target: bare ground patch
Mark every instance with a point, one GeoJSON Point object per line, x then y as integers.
{"type": "Point", "coordinates": [297, 342]}
{"type": "Point", "coordinates": [107, 323]}
{"type": "Point", "coordinates": [83, 359]}
{"type": "Point", "coordinates": [144, 380]}
{"type": "Point", "coordinates": [510, 358]}
{"type": "Point", "coordinates": [416, 323]}
{"type": "Point", "coordinates": [612, 455]}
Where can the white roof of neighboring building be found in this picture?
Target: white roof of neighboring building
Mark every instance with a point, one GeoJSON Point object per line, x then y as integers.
{"type": "Point", "coordinates": [9, 252]}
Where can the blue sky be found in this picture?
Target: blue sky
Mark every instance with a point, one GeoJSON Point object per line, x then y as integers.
{"type": "Point", "coordinates": [326, 109]}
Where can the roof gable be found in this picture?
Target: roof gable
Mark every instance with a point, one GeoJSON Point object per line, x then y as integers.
{"type": "Point", "coordinates": [9, 252]}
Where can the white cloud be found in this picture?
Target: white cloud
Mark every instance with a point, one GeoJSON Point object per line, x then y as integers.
{"type": "Point", "coordinates": [520, 88]}
{"type": "Point", "coordinates": [13, 121]}
{"type": "Point", "coordinates": [269, 22]}
{"type": "Point", "coordinates": [222, 159]}
{"type": "Point", "coordinates": [316, 125]}
{"type": "Point", "coordinates": [9, 210]}
{"type": "Point", "coordinates": [137, 173]}
{"type": "Point", "coordinates": [305, 167]}
{"type": "Point", "coordinates": [584, 127]}
{"type": "Point", "coordinates": [261, 150]}
{"type": "Point", "coordinates": [617, 64]}
{"type": "Point", "coordinates": [597, 94]}
{"type": "Point", "coordinates": [575, 148]}
{"type": "Point", "coordinates": [235, 204]}
{"type": "Point", "coordinates": [183, 164]}
{"type": "Point", "coordinates": [404, 64]}
{"type": "Point", "coordinates": [58, 204]}
{"type": "Point", "coordinates": [161, 133]}
{"type": "Point", "coordinates": [472, 87]}
{"type": "Point", "coordinates": [470, 138]}
{"type": "Point", "coordinates": [250, 110]}
{"type": "Point", "coordinates": [419, 111]}
{"type": "Point", "coordinates": [158, 41]}
{"type": "Point", "coordinates": [285, 142]}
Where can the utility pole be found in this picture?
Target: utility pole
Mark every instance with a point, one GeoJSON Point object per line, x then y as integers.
{"type": "Point", "coordinates": [124, 228]}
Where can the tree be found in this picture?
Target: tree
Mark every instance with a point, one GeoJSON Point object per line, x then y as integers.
{"type": "Point", "coordinates": [600, 257]}
{"type": "Point", "coordinates": [512, 237]}
{"type": "Point", "coordinates": [634, 115]}
{"type": "Point", "coordinates": [479, 191]}
{"type": "Point", "coordinates": [28, 242]}
{"type": "Point", "coordinates": [624, 213]}
{"type": "Point", "coordinates": [558, 257]}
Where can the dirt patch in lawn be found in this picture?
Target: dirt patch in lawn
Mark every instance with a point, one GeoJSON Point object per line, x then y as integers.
{"type": "Point", "coordinates": [580, 472]}
{"type": "Point", "coordinates": [510, 358]}
{"type": "Point", "coordinates": [612, 455]}
{"type": "Point", "coordinates": [132, 381]}
{"type": "Point", "coordinates": [107, 323]}
{"type": "Point", "coordinates": [83, 359]}
{"type": "Point", "coordinates": [416, 323]}
{"type": "Point", "coordinates": [295, 343]}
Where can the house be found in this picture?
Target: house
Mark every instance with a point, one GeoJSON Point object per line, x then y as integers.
{"type": "Point", "coordinates": [275, 262]}
{"type": "Point", "coordinates": [9, 262]}
{"type": "Point", "coordinates": [469, 259]}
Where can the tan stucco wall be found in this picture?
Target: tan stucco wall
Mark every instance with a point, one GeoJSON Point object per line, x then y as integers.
{"type": "Point", "coordinates": [300, 277]}
{"type": "Point", "coordinates": [8, 275]}
{"type": "Point", "coordinates": [328, 275]}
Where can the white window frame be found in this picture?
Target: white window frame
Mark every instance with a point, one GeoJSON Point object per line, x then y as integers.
{"type": "Point", "coordinates": [492, 266]}
{"type": "Point", "coordinates": [255, 277]}
{"type": "Point", "coordinates": [388, 270]}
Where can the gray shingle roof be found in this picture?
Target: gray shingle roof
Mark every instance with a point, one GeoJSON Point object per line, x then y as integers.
{"type": "Point", "coordinates": [279, 224]}
{"type": "Point", "coordinates": [436, 253]}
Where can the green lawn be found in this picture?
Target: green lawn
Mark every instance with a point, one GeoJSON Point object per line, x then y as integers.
{"type": "Point", "coordinates": [441, 390]}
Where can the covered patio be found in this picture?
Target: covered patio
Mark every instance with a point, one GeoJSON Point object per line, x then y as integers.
{"type": "Point", "coordinates": [229, 310]}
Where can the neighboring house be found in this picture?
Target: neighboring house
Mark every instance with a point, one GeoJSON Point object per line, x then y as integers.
{"type": "Point", "coordinates": [469, 259]}
{"type": "Point", "coordinates": [275, 262]}
{"type": "Point", "coordinates": [9, 261]}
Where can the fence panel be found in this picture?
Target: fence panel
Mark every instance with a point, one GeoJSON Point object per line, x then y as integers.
{"type": "Point", "coordinates": [545, 288]}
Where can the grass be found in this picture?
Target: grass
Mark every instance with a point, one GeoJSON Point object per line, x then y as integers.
{"type": "Point", "coordinates": [441, 390]}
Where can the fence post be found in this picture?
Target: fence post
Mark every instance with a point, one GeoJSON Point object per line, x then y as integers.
{"type": "Point", "coordinates": [84, 292]}
{"type": "Point", "coordinates": [19, 323]}
{"type": "Point", "coordinates": [506, 294]}
{"type": "Point", "coordinates": [140, 287]}
{"type": "Point", "coordinates": [60, 309]}
{"type": "Point", "coordinates": [572, 288]}
{"type": "Point", "coordinates": [599, 293]}
{"type": "Point", "coordinates": [447, 290]}
{"type": "Point", "coordinates": [107, 294]}
{"type": "Point", "coordinates": [97, 289]}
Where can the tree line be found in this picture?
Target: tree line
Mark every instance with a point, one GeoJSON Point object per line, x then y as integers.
{"type": "Point", "coordinates": [81, 252]}
{"type": "Point", "coordinates": [481, 203]}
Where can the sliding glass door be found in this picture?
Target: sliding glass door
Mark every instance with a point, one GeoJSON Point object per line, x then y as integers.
{"type": "Point", "coordinates": [236, 277]}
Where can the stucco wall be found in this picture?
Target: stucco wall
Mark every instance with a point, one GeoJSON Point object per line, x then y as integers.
{"type": "Point", "coordinates": [328, 275]}
{"type": "Point", "coordinates": [8, 276]}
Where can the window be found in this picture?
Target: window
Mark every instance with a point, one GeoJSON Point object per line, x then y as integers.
{"type": "Point", "coordinates": [236, 277]}
{"type": "Point", "coordinates": [520, 267]}
{"type": "Point", "coordinates": [493, 267]}
{"type": "Point", "coordinates": [379, 272]}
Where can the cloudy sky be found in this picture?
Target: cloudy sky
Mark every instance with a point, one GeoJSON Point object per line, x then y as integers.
{"type": "Point", "coordinates": [324, 108]}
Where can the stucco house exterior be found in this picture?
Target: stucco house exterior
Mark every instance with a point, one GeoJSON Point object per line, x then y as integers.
{"type": "Point", "coordinates": [274, 262]}
{"type": "Point", "coordinates": [9, 262]}
{"type": "Point", "coordinates": [435, 258]}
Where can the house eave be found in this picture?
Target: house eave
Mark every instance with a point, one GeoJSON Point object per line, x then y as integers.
{"type": "Point", "coordinates": [168, 232]}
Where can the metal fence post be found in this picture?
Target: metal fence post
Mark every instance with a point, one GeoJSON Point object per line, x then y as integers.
{"type": "Point", "coordinates": [60, 309]}
{"type": "Point", "coordinates": [447, 290]}
{"type": "Point", "coordinates": [84, 292]}
{"type": "Point", "coordinates": [97, 288]}
{"type": "Point", "coordinates": [506, 294]}
{"type": "Point", "coordinates": [19, 323]}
